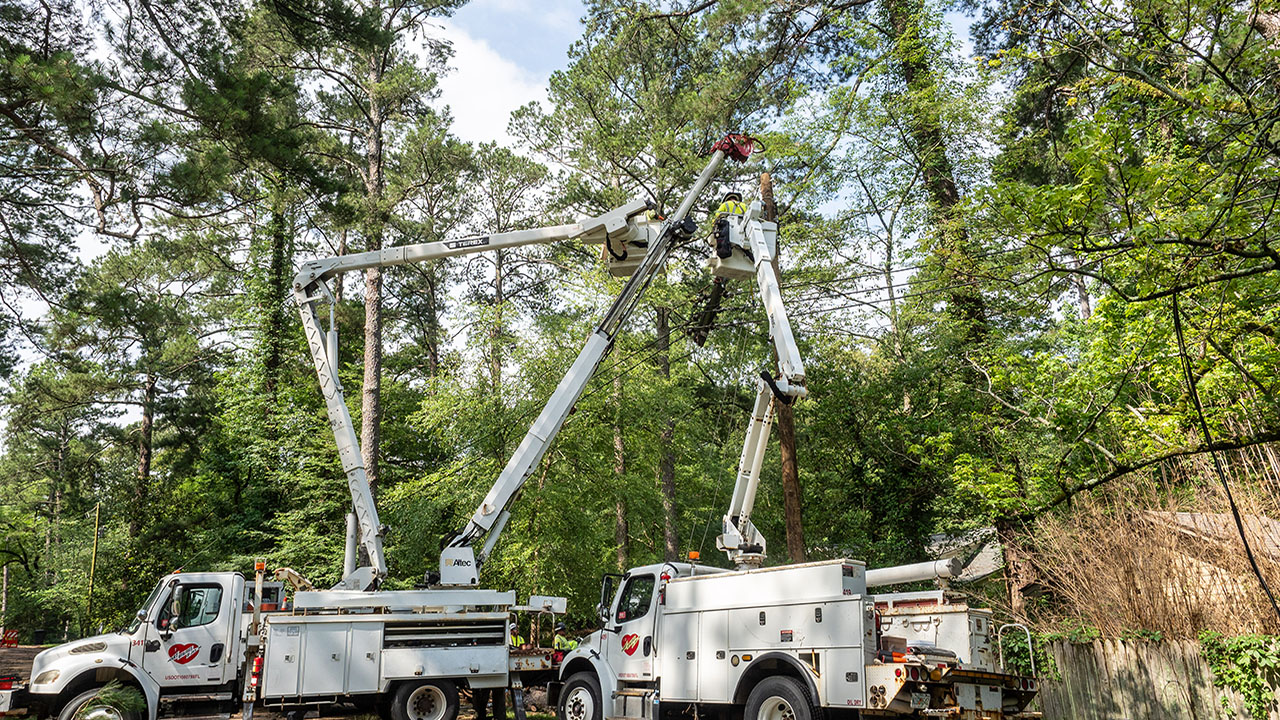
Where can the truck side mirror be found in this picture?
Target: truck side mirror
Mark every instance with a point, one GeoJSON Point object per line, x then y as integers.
{"type": "Point", "coordinates": [606, 597]}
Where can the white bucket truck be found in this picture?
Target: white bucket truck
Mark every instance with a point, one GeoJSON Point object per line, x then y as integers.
{"type": "Point", "coordinates": [782, 643]}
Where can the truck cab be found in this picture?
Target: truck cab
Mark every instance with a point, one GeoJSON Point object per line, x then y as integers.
{"type": "Point", "coordinates": [185, 639]}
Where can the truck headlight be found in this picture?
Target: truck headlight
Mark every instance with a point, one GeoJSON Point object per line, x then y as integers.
{"type": "Point", "coordinates": [47, 677]}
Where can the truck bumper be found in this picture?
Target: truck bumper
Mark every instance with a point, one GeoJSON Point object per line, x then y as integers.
{"type": "Point", "coordinates": [14, 702]}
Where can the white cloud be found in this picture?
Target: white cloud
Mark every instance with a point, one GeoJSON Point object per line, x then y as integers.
{"type": "Point", "coordinates": [482, 88]}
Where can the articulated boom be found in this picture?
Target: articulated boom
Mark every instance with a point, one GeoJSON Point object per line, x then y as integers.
{"type": "Point", "coordinates": [620, 228]}
{"type": "Point", "coordinates": [311, 287]}
{"type": "Point", "coordinates": [458, 562]}
{"type": "Point", "coordinates": [754, 243]}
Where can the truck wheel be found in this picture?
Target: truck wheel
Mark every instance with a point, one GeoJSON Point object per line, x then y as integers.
{"type": "Point", "coordinates": [89, 705]}
{"type": "Point", "coordinates": [778, 698]}
{"type": "Point", "coordinates": [580, 698]}
{"type": "Point", "coordinates": [430, 700]}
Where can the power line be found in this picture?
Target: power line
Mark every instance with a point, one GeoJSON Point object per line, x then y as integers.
{"type": "Point", "coordinates": [1217, 464]}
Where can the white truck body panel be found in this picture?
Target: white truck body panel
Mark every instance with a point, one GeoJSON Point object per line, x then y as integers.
{"type": "Point", "coordinates": [706, 638]}
{"type": "Point", "coordinates": [827, 580]}
{"type": "Point", "coordinates": [327, 655]}
{"type": "Point", "coordinates": [711, 624]}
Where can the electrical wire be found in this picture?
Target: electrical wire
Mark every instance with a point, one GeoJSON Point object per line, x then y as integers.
{"type": "Point", "coordinates": [1217, 464]}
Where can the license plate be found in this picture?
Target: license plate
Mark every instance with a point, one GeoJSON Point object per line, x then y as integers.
{"type": "Point", "coordinates": [919, 701]}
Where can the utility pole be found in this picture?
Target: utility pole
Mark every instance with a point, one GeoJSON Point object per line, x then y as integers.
{"type": "Point", "coordinates": [93, 561]}
{"type": "Point", "coordinates": [784, 418]}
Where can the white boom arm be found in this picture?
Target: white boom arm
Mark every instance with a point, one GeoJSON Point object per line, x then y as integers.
{"type": "Point", "coordinates": [740, 540]}
{"type": "Point", "coordinates": [458, 562]}
{"type": "Point", "coordinates": [310, 288]}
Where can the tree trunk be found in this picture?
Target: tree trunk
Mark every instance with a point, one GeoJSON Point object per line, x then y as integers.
{"type": "Point", "coordinates": [1082, 293]}
{"type": "Point", "coordinates": [337, 279]}
{"type": "Point", "coordinates": [620, 529]}
{"type": "Point", "coordinates": [914, 53]}
{"type": "Point", "coordinates": [785, 420]}
{"type": "Point", "coordinates": [1019, 572]}
{"type": "Point", "coordinates": [496, 331]}
{"type": "Point", "coordinates": [667, 461]}
{"type": "Point", "coordinates": [274, 322]}
{"type": "Point", "coordinates": [371, 391]}
{"type": "Point", "coordinates": [4, 601]}
{"type": "Point", "coordinates": [144, 454]}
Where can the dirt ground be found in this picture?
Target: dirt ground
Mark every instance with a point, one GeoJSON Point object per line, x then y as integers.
{"type": "Point", "coordinates": [17, 660]}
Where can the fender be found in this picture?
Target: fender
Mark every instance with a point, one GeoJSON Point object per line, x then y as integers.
{"type": "Point", "coordinates": [150, 688]}
{"type": "Point", "coordinates": [82, 670]}
{"type": "Point", "coordinates": [753, 672]}
{"type": "Point", "coordinates": [579, 660]}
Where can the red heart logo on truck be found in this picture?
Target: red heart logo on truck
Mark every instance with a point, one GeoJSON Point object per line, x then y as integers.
{"type": "Point", "coordinates": [630, 643]}
{"type": "Point", "coordinates": [183, 654]}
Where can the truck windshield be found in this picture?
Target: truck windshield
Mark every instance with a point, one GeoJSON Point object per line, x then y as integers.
{"type": "Point", "coordinates": [135, 621]}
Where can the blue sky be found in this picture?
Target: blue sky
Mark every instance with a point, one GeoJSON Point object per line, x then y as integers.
{"type": "Point", "coordinates": [506, 50]}
{"type": "Point", "coordinates": [504, 53]}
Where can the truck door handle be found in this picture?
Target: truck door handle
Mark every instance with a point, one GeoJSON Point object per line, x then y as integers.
{"type": "Point", "coordinates": [648, 645]}
{"type": "Point", "coordinates": [152, 646]}
{"type": "Point", "coordinates": [215, 653]}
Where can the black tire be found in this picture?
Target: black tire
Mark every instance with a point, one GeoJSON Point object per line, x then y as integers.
{"type": "Point", "coordinates": [778, 698]}
{"type": "Point", "coordinates": [427, 700]}
{"type": "Point", "coordinates": [107, 711]}
{"type": "Point", "coordinates": [580, 698]}
{"type": "Point", "coordinates": [382, 706]}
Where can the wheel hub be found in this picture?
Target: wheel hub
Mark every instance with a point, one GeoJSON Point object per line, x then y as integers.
{"type": "Point", "coordinates": [100, 712]}
{"type": "Point", "coordinates": [426, 703]}
{"type": "Point", "coordinates": [579, 705]}
{"type": "Point", "coordinates": [777, 708]}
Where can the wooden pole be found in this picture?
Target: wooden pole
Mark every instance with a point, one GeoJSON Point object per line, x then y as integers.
{"type": "Point", "coordinates": [784, 418]}
{"type": "Point", "coordinates": [93, 560]}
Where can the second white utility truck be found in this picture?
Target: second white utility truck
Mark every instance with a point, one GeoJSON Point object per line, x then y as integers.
{"type": "Point", "coordinates": [782, 643]}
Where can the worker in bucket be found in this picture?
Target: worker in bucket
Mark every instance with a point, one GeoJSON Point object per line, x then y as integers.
{"type": "Point", "coordinates": [731, 205]}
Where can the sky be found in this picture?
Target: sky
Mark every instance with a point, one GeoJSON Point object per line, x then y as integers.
{"type": "Point", "coordinates": [504, 52]}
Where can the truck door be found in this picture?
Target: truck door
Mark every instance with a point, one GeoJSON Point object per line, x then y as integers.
{"type": "Point", "coordinates": [188, 641]}
{"type": "Point", "coordinates": [631, 649]}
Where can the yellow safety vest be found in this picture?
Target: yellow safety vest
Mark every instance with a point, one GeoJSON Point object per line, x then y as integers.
{"type": "Point", "coordinates": [564, 643]}
{"type": "Point", "coordinates": [731, 207]}
{"type": "Point", "coordinates": [517, 641]}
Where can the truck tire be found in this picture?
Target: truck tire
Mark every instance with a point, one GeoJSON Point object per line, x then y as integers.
{"type": "Point", "coordinates": [580, 698]}
{"type": "Point", "coordinates": [778, 697]}
{"type": "Point", "coordinates": [429, 700]}
{"type": "Point", "coordinates": [89, 706]}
